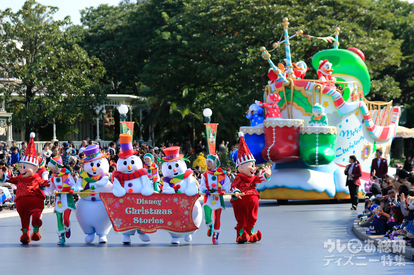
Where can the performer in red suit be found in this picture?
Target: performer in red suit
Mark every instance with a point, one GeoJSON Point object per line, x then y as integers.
{"type": "Point", "coordinates": [325, 73]}
{"type": "Point", "coordinates": [272, 107]}
{"type": "Point", "coordinates": [29, 195]}
{"type": "Point", "coordinates": [353, 173]}
{"type": "Point", "coordinates": [379, 165]}
{"type": "Point", "coordinates": [246, 200]}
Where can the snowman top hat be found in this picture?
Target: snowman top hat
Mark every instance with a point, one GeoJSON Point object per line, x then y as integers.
{"type": "Point", "coordinates": [126, 146]}
{"type": "Point", "coordinates": [92, 153]}
{"type": "Point", "coordinates": [172, 154]}
{"type": "Point", "coordinates": [30, 154]}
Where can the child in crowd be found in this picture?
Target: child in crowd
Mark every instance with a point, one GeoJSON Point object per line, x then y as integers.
{"type": "Point", "coordinates": [14, 158]}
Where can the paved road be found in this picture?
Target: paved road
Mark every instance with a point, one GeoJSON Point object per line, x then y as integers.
{"type": "Point", "coordinates": [293, 242]}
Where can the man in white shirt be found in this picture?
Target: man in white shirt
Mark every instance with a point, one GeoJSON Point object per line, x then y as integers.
{"type": "Point", "coordinates": [84, 145]}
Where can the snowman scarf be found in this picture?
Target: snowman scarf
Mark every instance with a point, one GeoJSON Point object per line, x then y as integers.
{"type": "Point", "coordinates": [172, 181]}
{"type": "Point", "coordinates": [123, 177]}
{"type": "Point", "coordinates": [87, 179]}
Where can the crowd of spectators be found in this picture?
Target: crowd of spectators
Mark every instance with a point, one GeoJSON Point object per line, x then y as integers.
{"type": "Point", "coordinates": [387, 211]}
{"type": "Point", "coordinates": [72, 157]}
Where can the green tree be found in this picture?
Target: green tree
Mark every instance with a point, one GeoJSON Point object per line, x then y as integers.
{"type": "Point", "coordinates": [102, 34]}
{"type": "Point", "coordinates": [57, 78]}
{"type": "Point", "coordinates": [197, 54]}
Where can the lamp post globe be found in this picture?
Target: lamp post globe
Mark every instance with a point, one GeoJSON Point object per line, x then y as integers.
{"type": "Point", "coordinates": [123, 110]}
{"type": "Point", "coordinates": [207, 112]}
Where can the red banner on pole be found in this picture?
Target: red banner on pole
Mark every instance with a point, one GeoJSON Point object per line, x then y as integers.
{"type": "Point", "coordinates": [171, 212]}
{"type": "Point", "coordinates": [127, 127]}
{"type": "Point", "coordinates": [211, 131]}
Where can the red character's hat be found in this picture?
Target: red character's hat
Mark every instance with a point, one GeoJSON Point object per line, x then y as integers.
{"type": "Point", "coordinates": [243, 155]}
{"type": "Point", "coordinates": [30, 155]}
{"type": "Point", "coordinates": [322, 63]}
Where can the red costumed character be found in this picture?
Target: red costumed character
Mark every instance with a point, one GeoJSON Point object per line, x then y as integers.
{"type": "Point", "coordinates": [29, 195]}
{"type": "Point", "coordinates": [325, 73]}
{"type": "Point", "coordinates": [272, 107]}
{"type": "Point", "coordinates": [246, 200]}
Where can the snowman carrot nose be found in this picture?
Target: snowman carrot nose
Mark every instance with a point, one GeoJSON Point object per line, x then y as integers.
{"type": "Point", "coordinates": [175, 170]}
{"type": "Point", "coordinates": [94, 168]}
{"type": "Point", "coordinates": [129, 167]}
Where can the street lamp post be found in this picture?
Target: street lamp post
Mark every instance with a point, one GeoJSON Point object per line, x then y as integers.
{"type": "Point", "coordinates": [211, 131]}
{"type": "Point", "coordinates": [123, 110]}
{"type": "Point", "coordinates": [207, 112]}
{"type": "Point", "coordinates": [98, 111]}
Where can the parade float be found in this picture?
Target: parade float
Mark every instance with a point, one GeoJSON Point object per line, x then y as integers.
{"type": "Point", "coordinates": [322, 122]}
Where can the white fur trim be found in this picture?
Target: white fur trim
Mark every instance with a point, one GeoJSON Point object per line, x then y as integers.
{"type": "Point", "coordinates": [241, 134]}
{"type": "Point", "coordinates": [32, 135]}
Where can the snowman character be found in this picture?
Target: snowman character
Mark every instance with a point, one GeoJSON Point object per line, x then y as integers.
{"type": "Point", "coordinates": [91, 213]}
{"type": "Point", "coordinates": [179, 179]}
{"type": "Point", "coordinates": [132, 178]}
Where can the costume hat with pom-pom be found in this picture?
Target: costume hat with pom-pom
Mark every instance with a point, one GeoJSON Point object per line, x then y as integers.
{"type": "Point", "coordinates": [322, 62]}
{"type": "Point", "coordinates": [243, 155]}
{"type": "Point", "coordinates": [213, 158]}
{"type": "Point", "coordinates": [30, 155]}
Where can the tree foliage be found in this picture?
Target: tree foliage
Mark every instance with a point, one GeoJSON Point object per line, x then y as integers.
{"type": "Point", "coordinates": [188, 55]}
{"type": "Point", "coordinates": [208, 54]}
{"type": "Point", "coordinates": [57, 77]}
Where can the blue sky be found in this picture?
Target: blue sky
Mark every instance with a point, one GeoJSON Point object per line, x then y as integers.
{"type": "Point", "coordinates": [66, 7]}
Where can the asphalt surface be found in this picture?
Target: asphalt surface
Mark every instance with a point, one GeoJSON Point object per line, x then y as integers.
{"type": "Point", "coordinates": [293, 241]}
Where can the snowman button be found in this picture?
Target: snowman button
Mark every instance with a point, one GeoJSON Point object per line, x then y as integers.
{"type": "Point", "coordinates": [93, 199]}
{"type": "Point", "coordinates": [213, 177]}
{"type": "Point", "coordinates": [58, 180]}
{"type": "Point", "coordinates": [130, 184]}
{"type": "Point", "coordinates": [149, 171]}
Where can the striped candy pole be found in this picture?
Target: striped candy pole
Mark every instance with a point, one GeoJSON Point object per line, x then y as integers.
{"type": "Point", "coordinates": [266, 56]}
{"type": "Point", "coordinates": [336, 43]}
{"type": "Point", "coordinates": [287, 47]}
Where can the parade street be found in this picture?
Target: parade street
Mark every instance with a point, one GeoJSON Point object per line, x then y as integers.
{"type": "Point", "coordinates": [293, 241]}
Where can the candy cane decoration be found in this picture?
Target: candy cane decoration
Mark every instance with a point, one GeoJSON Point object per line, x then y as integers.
{"type": "Point", "coordinates": [287, 47]}
{"type": "Point", "coordinates": [376, 131]}
{"type": "Point", "coordinates": [266, 56]}
{"type": "Point", "coordinates": [336, 44]}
